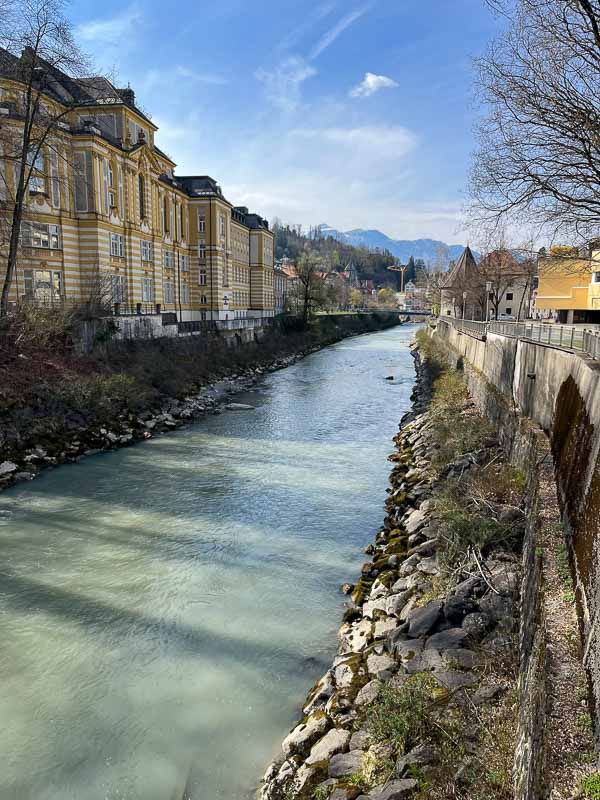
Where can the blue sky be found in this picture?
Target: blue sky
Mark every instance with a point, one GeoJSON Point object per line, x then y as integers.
{"type": "Point", "coordinates": [358, 114]}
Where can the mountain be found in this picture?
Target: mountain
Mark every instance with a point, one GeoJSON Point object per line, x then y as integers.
{"type": "Point", "coordinates": [426, 249]}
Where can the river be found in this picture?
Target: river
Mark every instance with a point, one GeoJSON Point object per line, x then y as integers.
{"type": "Point", "coordinates": [165, 608]}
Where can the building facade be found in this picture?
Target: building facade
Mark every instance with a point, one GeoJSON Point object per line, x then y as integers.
{"type": "Point", "coordinates": [569, 285]}
{"type": "Point", "coordinates": [499, 286]}
{"type": "Point", "coordinates": [109, 222]}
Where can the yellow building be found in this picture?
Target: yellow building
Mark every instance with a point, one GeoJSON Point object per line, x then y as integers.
{"type": "Point", "coordinates": [569, 286]}
{"type": "Point", "coordinates": [109, 221]}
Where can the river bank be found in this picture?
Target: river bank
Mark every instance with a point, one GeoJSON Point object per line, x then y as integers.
{"type": "Point", "coordinates": [420, 699]}
{"type": "Point", "coordinates": [131, 392]}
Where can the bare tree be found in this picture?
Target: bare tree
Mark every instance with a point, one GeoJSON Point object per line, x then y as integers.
{"type": "Point", "coordinates": [37, 39]}
{"type": "Point", "coordinates": [310, 283]}
{"type": "Point", "coordinates": [538, 155]}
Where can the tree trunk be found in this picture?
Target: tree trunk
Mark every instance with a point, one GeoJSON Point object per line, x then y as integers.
{"type": "Point", "coordinates": [11, 263]}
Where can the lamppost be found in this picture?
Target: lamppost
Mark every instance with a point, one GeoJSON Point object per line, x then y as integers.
{"type": "Point", "coordinates": [464, 305]}
{"type": "Point", "coordinates": [488, 289]}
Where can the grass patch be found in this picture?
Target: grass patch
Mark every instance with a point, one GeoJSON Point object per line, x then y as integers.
{"type": "Point", "coordinates": [455, 430]}
{"type": "Point", "coordinates": [471, 510]}
{"type": "Point", "coordinates": [402, 716]}
{"type": "Point", "coordinates": [591, 786]}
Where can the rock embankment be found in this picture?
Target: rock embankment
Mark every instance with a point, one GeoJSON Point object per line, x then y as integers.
{"type": "Point", "coordinates": [125, 429]}
{"type": "Point", "coordinates": [416, 625]}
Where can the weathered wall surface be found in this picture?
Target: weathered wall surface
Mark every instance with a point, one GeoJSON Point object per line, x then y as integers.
{"type": "Point", "coordinates": [560, 392]}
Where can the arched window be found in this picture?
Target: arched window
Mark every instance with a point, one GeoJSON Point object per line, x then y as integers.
{"type": "Point", "coordinates": [142, 194]}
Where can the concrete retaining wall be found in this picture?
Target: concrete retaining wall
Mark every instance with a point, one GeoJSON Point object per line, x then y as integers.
{"type": "Point", "coordinates": [559, 391]}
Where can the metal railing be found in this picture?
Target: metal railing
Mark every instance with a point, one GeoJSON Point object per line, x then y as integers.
{"type": "Point", "coordinates": [565, 337]}
{"type": "Point", "coordinates": [211, 326]}
{"type": "Point", "coordinates": [197, 326]}
{"type": "Point", "coordinates": [135, 309]}
{"type": "Point", "coordinates": [239, 324]}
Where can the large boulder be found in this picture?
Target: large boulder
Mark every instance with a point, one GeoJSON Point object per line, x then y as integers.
{"type": "Point", "coordinates": [381, 667]}
{"type": "Point", "coordinates": [422, 621]}
{"type": "Point", "coordinates": [334, 742]}
{"type": "Point", "coordinates": [453, 638]}
{"type": "Point", "coordinates": [302, 738]}
{"type": "Point", "coordinates": [367, 694]}
{"type": "Point", "coordinates": [7, 468]}
{"type": "Point", "coordinates": [395, 790]}
{"type": "Point", "coordinates": [346, 764]}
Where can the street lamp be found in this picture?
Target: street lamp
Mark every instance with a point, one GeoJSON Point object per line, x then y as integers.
{"type": "Point", "coordinates": [464, 305]}
{"type": "Point", "coordinates": [488, 289]}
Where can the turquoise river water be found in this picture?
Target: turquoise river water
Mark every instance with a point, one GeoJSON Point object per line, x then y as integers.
{"type": "Point", "coordinates": [165, 608]}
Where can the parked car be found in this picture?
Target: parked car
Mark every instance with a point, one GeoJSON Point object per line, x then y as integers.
{"type": "Point", "coordinates": [506, 318]}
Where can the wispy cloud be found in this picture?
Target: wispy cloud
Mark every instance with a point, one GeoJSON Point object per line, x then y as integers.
{"type": "Point", "coordinates": [372, 83]}
{"type": "Point", "coordinates": [380, 141]}
{"type": "Point", "coordinates": [284, 81]}
{"type": "Point", "coordinates": [200, 77]}
{"type": "Point", "coordinates": [110, 30]}
{"type": "Point", "coordinates": [282, 84]}
{"type": "Point", "coordinates": [332, 34]}
{"type": "Point", "coordinates": [296, 34]}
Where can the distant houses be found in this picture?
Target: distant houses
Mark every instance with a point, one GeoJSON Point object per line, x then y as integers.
{"type": "Point", "coordinates": [499, 286]}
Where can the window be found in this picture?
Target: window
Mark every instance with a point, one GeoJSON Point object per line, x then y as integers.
{"type": "Point", "coordinates": [203, 299]}
{"type": "Point", "coordinates": [117, 245]}
{"type": "Point", "coordinates": [40, 234]}
{"type": "Point", "coordinates": [222, 226]}
{"type": "Point", "coordinates": [142, 196]}
{"type": "Point", "coordinates": [595, 277]}
{"type": "Point", "coordinates": [201, 223]}
{"type": "Point", "coordinates": [147, 250]}
{"type": "Point", "coordinates": [121, 203]}
{"type": "Point", "coordinates": [509, 295]}
{"type": "Point", "coordinates": [54, 179]}
{"type": "Point", "coordinates": [508, 311]}
{"type": "Point", "coordinates": [168, 259]}
{"type": "Point", "coordinates": [168, 292]}
{"type": "Point", "coordinates": [165, 215]}
{"type": "Point", "coordinates": [202, 252]}
{"type": "Point", "coordinates": [35, 160]}
{"type": "Point", "coordinates": [225, 275]}
{"type": "Point", "coordinates": [185, 264]}
{"type": "Point", "coordinates": [84, 182]}
{"type": "Point", "coordinates": [181, 223]}
{"type": "Point", "coordinates": [185, 293]}
{"type": "Point", "coordinates": [116, 289]}
{"type": "Point", "coordinates": [202, 277]}
{"type": "Point", "coordinates": [148, 290]}
{"type": "Point", "coordinates": [42, 285]}
{"type": "Point", "coordinates": [112, 202]}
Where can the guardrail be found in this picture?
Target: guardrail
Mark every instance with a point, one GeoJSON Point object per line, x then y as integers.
{"type": "Point", "coordinates": [564, 337]}
{"type": "Point", "coordinates": [211, 326]}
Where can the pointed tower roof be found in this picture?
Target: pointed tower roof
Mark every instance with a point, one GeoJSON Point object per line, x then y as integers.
{"type": "Point", "coordinates": [464, 270]}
